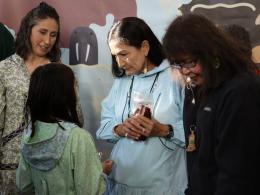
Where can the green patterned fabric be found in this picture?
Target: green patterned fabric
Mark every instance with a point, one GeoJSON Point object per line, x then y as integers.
{"type": "Point", "coordinates": [14, 84]}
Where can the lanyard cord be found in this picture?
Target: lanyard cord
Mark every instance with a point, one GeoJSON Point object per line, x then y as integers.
{"type": "Point", "coordinates": [189, 87]}
{"type": "Point", "coordinates": [129, 95]}
{"type": "Point", "coordinates": [193, 126]}
{"type": "Point", "coordinates": [155, 79]}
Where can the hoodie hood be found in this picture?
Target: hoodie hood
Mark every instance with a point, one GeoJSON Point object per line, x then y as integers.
{"type": "Point", "coordinates": [45, 148]}
{"type": "Point", "coordinates": [164, 65]}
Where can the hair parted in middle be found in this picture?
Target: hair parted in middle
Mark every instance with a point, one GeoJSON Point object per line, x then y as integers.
{"type": "Point", "coordinates": [133, 31]}
{"type": "Point", "coordinates": [23, 43]}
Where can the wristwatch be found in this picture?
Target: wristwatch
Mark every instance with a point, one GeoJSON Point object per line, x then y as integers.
{"type": "Point", "coordinates": [170, 134]}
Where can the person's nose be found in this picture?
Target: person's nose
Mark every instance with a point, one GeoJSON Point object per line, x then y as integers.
{"type": "Point", "coordinates": [47, 39]}
{"type": "Point", "coordinates": [121, 62]}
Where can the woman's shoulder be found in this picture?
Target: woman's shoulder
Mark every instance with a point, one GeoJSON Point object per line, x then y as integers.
{"type": "Point", "coordinates": [243, 82]}
{"type": "Point", "coordinates": [239, 88]}
{"type": "Point", "coordinates": [78, 133]}
{"type": "Point", "coordinates": [121, 82]}
{"type": "Point", "coordinates": [11, 62]}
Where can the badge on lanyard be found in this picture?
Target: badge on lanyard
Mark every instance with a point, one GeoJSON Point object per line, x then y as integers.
{"type": "Point", "coordinates": [192, 136]}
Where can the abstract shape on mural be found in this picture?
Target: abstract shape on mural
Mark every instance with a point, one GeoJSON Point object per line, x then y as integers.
{"type": "Point", "coordinates": [94, 85]}
{"type": "Point", "coordinates": [159, 13]}
{"type": "Point", "coordinates": [72, 13]}
{"type": "Point", "coordinates": [244, 13]}
{"type": "Point", "coordinates": [101, 32]}
{"type": "Point", "coordinates": [83, 47]}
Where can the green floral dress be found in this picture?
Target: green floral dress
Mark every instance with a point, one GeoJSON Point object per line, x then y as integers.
{"type": "Point", "coordinates": [14, 84]}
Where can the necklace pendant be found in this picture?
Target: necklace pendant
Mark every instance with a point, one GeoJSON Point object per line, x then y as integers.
{"type": "Point", "coordinates": [191, 146]}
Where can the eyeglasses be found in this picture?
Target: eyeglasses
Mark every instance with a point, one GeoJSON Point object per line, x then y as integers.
{"type": "Point", "coordinates": [189, 64]}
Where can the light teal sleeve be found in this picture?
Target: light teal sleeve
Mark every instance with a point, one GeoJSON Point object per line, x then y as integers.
{"type": "Point", "coordinates": [108, 116]}
{"type": "Point", "coordinates": [169, 106]}
{"type": "Point", "coordinates": [23, 178]}
{"type": "Point", "coordinates": [177, 122]}
{"type": "Point", "coordinates": [88, 177]}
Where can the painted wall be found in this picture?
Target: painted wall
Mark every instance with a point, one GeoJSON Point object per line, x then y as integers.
{"type": "Point", "coordinates": [85, 24]}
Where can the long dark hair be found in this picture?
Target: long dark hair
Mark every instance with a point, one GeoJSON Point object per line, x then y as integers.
{"type": "Point", "coordinates": [133, 31]}
{"type": "Point", "coordinates": [23, 44]}
{"type": "Point", "coordinates": [219, 55]}
{"type": "Point", "coordinates": [52, 96]}
{"type": "Point", "coordinates": [241, 35]}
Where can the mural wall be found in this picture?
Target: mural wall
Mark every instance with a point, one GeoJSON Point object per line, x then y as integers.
{"type": "Point", "coordinates": [245, 13]}
{"type": "Point", "coordinates": [85, 24]}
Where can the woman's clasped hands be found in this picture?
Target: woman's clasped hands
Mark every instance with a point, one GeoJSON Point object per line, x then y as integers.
{"type": "Point", "coordinates": [138, 126]}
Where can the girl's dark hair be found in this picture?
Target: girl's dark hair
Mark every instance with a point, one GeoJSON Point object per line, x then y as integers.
{"type": "Point", "coordinates": [52, 96]}
{"type": "Point", "coordinates": [23, 44]}
{"type": "Point", "coordinates": [219, 55]}
{"type": "Point", "coordinates": [133, 31]}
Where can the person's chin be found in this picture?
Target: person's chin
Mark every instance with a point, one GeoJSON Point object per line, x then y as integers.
{"type": "Point", "coordinates": [40, 53]}
{"type": "Point", "coordinates": [43, 52]}
{"type": "Point", "coordinates": [129, 73]}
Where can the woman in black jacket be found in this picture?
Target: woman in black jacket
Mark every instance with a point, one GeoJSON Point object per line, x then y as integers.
{"type": "Point", "coordinates": [225, 133]}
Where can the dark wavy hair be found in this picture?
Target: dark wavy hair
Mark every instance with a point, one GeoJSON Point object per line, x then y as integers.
{"type": "Point", "coordinates": [23, 44]}
{"type": "Point", "coordinates": [52, 96]}
{"type": "Point", "coordinates": [219, 55]}
{"type": "Point", "coordinates": [133, 31]}
{"type": "Point", "coordinates": [241, 35]}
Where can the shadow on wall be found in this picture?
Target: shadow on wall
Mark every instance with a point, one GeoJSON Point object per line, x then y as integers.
{"type": "Point", "coordinates": [72, 13]}
{"type": "Point", "coordinates": [245, 13]}
{"type": "Point", "coordinates": [94, 85]}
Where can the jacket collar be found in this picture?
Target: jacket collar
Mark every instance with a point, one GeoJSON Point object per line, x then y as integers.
{"type": "Point", "coordinates": [164, 65]}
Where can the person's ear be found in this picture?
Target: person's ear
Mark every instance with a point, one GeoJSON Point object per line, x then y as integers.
{"type": "Point", "coordinates": [145, 47]}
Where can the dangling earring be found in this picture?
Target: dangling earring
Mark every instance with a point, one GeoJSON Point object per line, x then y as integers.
{"type": "Point", "coordinates": [145, 65]}
{"type": "Point", "coordinates": [217, 64]}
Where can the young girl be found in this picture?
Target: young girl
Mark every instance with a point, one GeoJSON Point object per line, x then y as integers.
{"type": "Point", "coordinates": [57, 157]}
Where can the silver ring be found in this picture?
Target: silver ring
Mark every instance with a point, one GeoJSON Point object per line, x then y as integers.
{"type": "Point", "coordinates": [126, 134]}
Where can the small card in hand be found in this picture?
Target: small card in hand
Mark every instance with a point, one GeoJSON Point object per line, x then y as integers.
{"type": "Point", "coordinates": [144, 111]}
